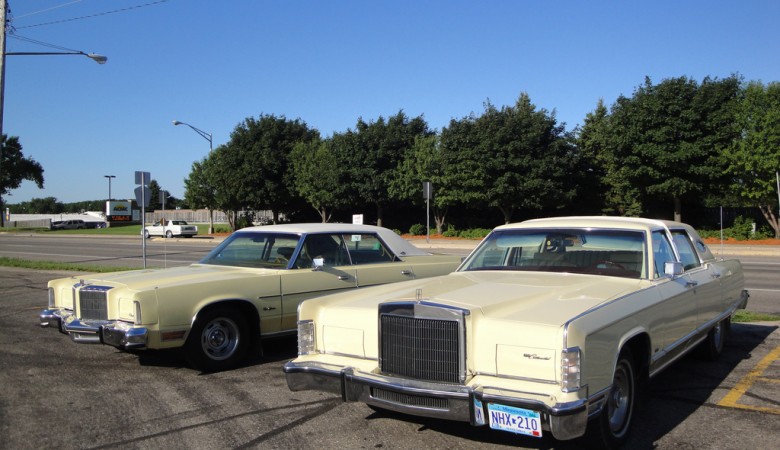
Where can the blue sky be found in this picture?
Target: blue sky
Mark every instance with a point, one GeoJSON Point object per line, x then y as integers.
{"type": "Point", "coordinates": [214, 63]}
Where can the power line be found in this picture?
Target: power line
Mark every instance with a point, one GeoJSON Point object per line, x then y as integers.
{"type": "Point", "coordinates": [93, 15]}
{"type": "Point", "coordinates": [49, 9]}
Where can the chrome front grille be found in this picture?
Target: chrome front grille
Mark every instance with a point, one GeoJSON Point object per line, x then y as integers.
{"type": "Point", "coordinates": [92, 301]}
{"type": "Point", "coordinates": [419, 401]}
{"type": "Point", "coordinates": [422, 341]}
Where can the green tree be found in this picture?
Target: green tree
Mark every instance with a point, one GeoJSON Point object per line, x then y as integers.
{"type": "Point", "coordinates": [264, 145]}
{"type": "Point", "coordinates": [514, 158]}
{"type": "Point", "coordinates": [15, 168]}
{"type": "Point", "coordinates": [48, 205]}
{"type": "Point", "coordinates": [373, 154]}
{"type": "Point", "coordinates": [154, 201]}
{"type": "Point", "coordinates": [754, 159]}
{"type": "Point", "coordinates": [665, 141]}
{"type": "Point", "coordinates": [619, 196]}
{"type": "Point", "coordinates": [425, 163]}
{"type": "Point", "coordinates": [199, 192]}
{"type": "Point", "coordinates": [222, 170]}
{"type": "Point", "coordinates": [318, 176]}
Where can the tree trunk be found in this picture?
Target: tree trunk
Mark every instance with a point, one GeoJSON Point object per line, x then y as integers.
{"type": "Point", "coordinates": [438, 216]}
{"type": "Point", "coordinates": [677, 209]}
{"type": "Point", "coordinates": [378, 215]}
{"type": "Point", "coordinates": [324, 214]}
{"type": "Point", "coordinates": [774, 221]}
{"type": "Point", "coordinates": [507, 212]}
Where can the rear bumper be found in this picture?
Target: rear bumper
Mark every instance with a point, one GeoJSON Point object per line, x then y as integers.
{"type": "Point", "coordinates": [115, 333]}
{"type": "Point", "coordinates": [443, 401]}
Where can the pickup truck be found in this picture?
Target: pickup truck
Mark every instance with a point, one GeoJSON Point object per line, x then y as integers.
{"type": "Point", "coordinates": [170, 228]}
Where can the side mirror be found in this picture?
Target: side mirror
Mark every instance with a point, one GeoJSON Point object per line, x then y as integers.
{"type": "Point", "coordinates": [673, 268]}
{"type": "Point", "coordinates": [317, 264]}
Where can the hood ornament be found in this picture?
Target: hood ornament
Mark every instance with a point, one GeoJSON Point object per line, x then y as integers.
{"type": "Point", "coordinates": [418, 294]}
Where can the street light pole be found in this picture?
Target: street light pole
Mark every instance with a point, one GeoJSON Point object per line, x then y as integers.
{"type": "Point", "coordinates": [100, 59]}
{"type": "Point", "coordinates": [109, 185]}
{"type": "Point", "coordinates": [206, 136]}
{"type": "Point", "coordinates": [203, 134]}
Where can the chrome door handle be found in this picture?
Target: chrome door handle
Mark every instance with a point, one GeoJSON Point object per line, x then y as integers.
{"type": "Point", "coordinates": [716, 275]}
{"type": "Point", "coordinates": [690, 284]}
{"type": "Point", "coordinates": [406, 272]}
{"type": "Point", "coordinates": [343, 277]}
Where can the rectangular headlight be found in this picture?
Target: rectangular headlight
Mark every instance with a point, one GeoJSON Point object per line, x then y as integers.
{"type": "Point", "coordinates": [51, 298]}
{"type": "Point", "coordinates": [306, 338]}
{"type": "Point", "coordinates": [571, 366]}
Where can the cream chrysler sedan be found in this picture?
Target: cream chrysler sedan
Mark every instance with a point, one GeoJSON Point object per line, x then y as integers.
{"type": "Point", "coordinates": [246, 288]}
{"type": "Point", "coordinates": [549, 326]}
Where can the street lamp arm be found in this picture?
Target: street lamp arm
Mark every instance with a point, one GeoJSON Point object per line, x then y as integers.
{"type": "Point", "coordinates": [100, 59]}
{"type": "Point", "coordinates": [203, 134]}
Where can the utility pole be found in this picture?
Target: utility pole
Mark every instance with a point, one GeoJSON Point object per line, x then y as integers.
{"type": "Point", "coordinates": [3, 11]}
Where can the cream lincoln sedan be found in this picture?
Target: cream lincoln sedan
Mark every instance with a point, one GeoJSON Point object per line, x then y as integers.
{"type": "Point", "coordinates": [550, 326]}
{"type": "Point", "coordinates": [247, 288]}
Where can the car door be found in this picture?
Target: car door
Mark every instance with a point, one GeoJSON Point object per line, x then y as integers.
{"type": "Point", "coordinates": [303, 281]}
{"type": "Point", "coordinates": [374, 262]}
{"type": "Point", "coordinates": [703, 279]}
{"type": "Point", "coordinates": [675, 314]}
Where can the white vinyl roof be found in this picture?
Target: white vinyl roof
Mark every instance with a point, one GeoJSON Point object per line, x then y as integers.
{"type": "Point", "coordinates": [397, 244]}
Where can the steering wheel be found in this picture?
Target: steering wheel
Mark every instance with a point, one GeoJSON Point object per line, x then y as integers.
{"type": "Point", "coordinates": [608, 265]}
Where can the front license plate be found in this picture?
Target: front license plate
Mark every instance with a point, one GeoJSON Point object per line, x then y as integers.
{"type": "Point", "coordinates": [515, 420]}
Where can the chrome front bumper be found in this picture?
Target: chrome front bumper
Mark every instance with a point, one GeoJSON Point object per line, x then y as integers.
{"type": "Point", "coordinates": [451, 402]}
{"type": "Point", "coordinates": [115, 333]}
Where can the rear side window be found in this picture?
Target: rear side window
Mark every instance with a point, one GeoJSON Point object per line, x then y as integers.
{"type": "Point", "coordinates": [688, 255]}
{"type": "Point", "coordinates": [367, 249]}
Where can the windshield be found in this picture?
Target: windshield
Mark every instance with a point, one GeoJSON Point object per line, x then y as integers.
{"type": "Point", "coordinates": [599, 252]}
{"type": "Point", "coordinates": [258, 249]}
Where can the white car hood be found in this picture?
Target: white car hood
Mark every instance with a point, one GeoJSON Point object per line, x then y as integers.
{"type": "Point", "coordinates": [543, 298]}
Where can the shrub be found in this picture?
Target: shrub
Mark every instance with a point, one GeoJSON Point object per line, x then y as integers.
{"type": "Point", "coordinates": [417, 229]}
{"type": "Point", "coordinates": [451, 232]}
{"type": "Point", "coordinates": [475, 233]}
{"type": "Point", "coordinates": [742, 229]}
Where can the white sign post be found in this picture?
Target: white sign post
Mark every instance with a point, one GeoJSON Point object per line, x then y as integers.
{"type": "Point", "coordinates": [142, 196]}
{"type": "Point", "coordinates": [427, 195]}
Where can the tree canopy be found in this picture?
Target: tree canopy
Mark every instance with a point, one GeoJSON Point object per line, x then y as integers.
{"type": "Point", "coordinates": [514, 158]}
{"type": "Point", "coordinates": [754, 159]}
{"type": "Point", "coordinates": [664, 142]}
{"type": "Point", "coordinates": [15, 168]}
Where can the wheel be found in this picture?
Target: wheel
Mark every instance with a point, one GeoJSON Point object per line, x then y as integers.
{"type": "Point", "coordinates": [612, 427]}
{"type": "Point", "coordinates": [218, 340]}
{"type": "Point", "coordinates": [146, 234]}
{"type": "Point", "coordinates": [169, 234]}
{"type": "Point", "coordinates": [712, 347]}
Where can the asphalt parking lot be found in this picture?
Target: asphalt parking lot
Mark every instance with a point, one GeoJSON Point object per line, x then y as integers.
{"type": "Point", "coordinates": [58, 394]}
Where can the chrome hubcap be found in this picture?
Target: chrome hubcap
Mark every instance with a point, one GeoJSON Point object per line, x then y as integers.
{"type": "Point", "coordinates": [619, 403]}
{"type": "Point", "coordinates": [220, 338]}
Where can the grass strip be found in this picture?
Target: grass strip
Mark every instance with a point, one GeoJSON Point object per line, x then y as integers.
{"type": "Point", "coordinates": [752, 316]}
{"type": "Point", "coordinates": [51, 265]}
